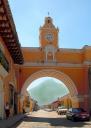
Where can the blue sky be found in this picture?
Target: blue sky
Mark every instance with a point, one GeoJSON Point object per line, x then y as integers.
{"type": "Point", "coordinates": [73, 17]}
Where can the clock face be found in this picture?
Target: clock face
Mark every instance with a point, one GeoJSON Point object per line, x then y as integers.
{"type": "Point", "coordinates": [49, 37]}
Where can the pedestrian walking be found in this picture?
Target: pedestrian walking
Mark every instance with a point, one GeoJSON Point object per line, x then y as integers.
{"type": "Point", "coordinates": [23, 109]}
{"type": "Point", "coordinates": [7, 110]}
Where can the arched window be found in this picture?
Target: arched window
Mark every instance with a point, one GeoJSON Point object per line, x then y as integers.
{"type": "Point", "coordinates": [48, 21]}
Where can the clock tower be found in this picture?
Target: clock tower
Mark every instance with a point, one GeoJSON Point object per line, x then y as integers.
{"type": "Point", "coordinates": [48, 34]}
{"type": "Point", "coordinates": [49, 39]}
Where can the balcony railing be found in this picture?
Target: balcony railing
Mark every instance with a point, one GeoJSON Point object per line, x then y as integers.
{"type": "Point", "coordinates": [3, 61]}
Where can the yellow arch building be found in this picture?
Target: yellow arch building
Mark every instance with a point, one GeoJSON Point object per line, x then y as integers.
{"type": "Point", "coordinates": [19, 66]}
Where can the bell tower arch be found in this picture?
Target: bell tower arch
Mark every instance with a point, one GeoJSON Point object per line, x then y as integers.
{"type": "Point", "coordinates": [48, 38]}
{"type": "Point", "coordinates": [48, 33]}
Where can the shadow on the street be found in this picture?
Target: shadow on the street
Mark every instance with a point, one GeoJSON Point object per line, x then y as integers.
{"type": "Point", "coordinates": [62, 121]}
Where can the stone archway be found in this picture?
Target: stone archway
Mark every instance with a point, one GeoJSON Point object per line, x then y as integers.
{"type": "Point", "coordinates": [58, 75]}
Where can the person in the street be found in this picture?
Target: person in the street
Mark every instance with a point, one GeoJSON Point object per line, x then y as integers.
{"type": "Point", "coordinates": [7, 110]}
{"type": "Point", "coordinates": [23, 110]}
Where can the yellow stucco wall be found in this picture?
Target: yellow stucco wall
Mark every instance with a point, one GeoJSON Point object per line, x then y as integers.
{"type": "Point", "coordinates": [10, 78]}
{"type": "Point", "coordinates": [62, 55]}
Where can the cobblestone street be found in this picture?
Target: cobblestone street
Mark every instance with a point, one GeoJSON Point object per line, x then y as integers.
{"type": "Point", "coordinates": [49, 119]}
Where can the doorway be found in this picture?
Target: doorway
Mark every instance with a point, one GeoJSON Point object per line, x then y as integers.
{"type": "Point", "coordinates": [1, 100]}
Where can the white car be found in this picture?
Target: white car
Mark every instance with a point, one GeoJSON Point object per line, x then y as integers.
{"type": "Point", "coordinates": [61, 110]}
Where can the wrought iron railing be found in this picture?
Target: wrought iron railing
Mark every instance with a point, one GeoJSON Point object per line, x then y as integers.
{"type": "Point", "coordinates": [3, 61]}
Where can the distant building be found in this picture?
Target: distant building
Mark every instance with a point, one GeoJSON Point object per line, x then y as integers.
{"type": "Point", "coordinates": [65, 101]}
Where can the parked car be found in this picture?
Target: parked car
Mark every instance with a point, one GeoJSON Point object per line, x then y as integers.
{"type": "Point", "coordinates": [61, 110]}
{"type": "Point", "coordinates": [77, 114]}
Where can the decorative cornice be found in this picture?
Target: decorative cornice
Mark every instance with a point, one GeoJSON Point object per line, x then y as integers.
{"type": "Point", "coordinates": [64, 50]}
{"type": "Point", "coordinates": [9, 34]}
{"type": "Point", "coordinates": [53, 64]}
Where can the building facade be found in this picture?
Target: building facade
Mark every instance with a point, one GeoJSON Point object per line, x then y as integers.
{"type": "Point", "coordinates": [10, 54]}
{"type": "Point", "coordinates": [19, 66]}
{"type": "Point", "coordinates": [71, 66]}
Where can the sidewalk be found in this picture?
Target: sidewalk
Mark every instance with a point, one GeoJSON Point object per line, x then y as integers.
{"type": "Point", "coordinates": [11, 121]}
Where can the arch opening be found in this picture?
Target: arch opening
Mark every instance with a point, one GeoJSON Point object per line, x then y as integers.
{"type": "Point", "coordinates": [55, 74]}
{"type": "Point", "coordinates": [46, 90]}
{"type": "Point", "coordinates": [51, 73]}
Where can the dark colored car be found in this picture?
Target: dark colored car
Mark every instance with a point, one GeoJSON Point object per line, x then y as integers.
{"type": "Point", "coordinates": [77, 114]}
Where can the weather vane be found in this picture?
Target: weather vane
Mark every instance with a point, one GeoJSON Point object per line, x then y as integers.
{"type": "Point", "coordinates": [48, 13]}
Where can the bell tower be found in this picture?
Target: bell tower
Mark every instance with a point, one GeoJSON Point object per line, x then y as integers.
{"type": "Point", "coordinates": [48, 33]}
{"type": "Point", "coordinates": [49, 39]}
